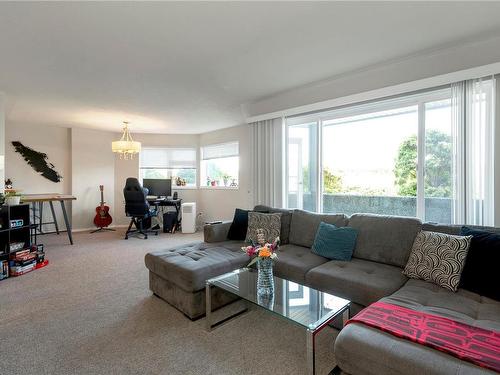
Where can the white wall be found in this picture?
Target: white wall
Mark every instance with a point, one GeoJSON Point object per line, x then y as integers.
{"type": "Point", "coordinates": [84, 158]}
{"type": "Point", "coordinates": [92, 164]}
{"type": "Point", "coordinates": [220, 204]}
{"type": "Point", "coordinates": [51, 140]}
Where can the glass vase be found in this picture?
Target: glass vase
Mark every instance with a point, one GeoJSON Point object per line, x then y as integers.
{"type": "Point", "coordinates": [265, 280]}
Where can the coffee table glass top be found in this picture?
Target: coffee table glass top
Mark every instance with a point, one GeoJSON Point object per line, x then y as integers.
{"type": "Point", "coordinates": [300, 304]}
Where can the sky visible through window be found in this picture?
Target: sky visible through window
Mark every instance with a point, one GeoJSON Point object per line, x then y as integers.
{"type": "Point", "coordinates": [362, 150]}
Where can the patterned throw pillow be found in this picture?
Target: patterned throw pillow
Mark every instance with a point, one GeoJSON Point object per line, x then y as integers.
{"type": "Point", "coordinates": [438, 258]}
{"type": "Point", "coordinates": [269, 223]}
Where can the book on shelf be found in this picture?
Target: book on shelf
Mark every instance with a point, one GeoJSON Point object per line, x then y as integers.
{"type": "Point", "coordinates": [4, 269]}
{"type": "Point", "coordinates": [21, 270]}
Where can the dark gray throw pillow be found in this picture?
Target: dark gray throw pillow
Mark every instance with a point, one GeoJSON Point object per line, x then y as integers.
{"type": "Point", "coordinates": [239, 226]}
{"type": "Point", "coordinates": [480, 273]}
{"type": "Point", "coordinates": [438, 258]}
{"type": "Point", "coordinates": [269, 223]}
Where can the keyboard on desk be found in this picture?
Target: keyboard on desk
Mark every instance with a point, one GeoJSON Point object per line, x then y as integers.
{"type": "Point", "coordinates": [155, 198]}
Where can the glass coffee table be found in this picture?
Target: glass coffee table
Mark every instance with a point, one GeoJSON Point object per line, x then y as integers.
{"type": "Point", "coordinates": [296, 303]}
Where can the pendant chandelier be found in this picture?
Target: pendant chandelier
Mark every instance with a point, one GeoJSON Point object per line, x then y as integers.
{"type": "Point", "coordinates": [126, 146]}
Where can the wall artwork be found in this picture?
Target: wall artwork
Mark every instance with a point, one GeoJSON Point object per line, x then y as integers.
{"type": "Point", "coordinates": [38, 161]}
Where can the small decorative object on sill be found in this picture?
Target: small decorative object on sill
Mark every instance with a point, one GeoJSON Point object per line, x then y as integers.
{"type": "Point", "coordinates": [213, 183]}
{"type": "Point", "coordinates": [208, 181]}
{"type": "Point", "coordinates": [233, 183]}
{"type": "Point", "coordinates": [263, 254]}
{"type": "Point", "coordinates": [180, 181]}
{"type": "Point", "coordinates": [225, 179]}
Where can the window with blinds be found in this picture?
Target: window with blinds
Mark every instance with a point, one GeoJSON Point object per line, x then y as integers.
{"type": "Point", "coordinates": [224, 150]}
{"type": "Point", "coordinates": [179, 164]}
{"type": "Point", "coordinates": [219, 165]}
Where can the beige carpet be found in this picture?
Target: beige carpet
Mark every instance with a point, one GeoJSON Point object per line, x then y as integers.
{"type": "Point", "coordinates": [91, 312]}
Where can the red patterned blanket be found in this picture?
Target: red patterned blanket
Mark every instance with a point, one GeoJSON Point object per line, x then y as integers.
{"type": "Point", "coordinates": [472, 344]}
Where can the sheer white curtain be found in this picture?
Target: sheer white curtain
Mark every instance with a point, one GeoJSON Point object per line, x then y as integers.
{"type": "Point", "coordinates": [479, 151]}
{"type": "Point", "coordinates": [267, 165]}
{"type": "Point", "coordinates": [458, 159]}
{"type": "Point", "coordinates": [473, 136]}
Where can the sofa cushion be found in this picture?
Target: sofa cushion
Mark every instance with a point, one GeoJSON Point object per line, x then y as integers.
{"type": "Point", "coordinates": [360, 281]}
{"type": "Point", "coordinates": [464, 306]}
{"type": "Point", "coordinates": [455, 229]}
{"type": "Point", "coordinates": [190, 266]}
{"type": "Point", "coordinates": [334, 243]}
{"type": "Point", "coordinates": [384, 239]}
{"type": "Point", "coordinates": [438, 258]}
{"type": "Point", "coordinates": [360, 349]}
{"type": "Point", "coordinates": [286, 218]}
{"type": "Point", "coordinates": [480, 274]}
{"type": "Point", "coordinates": [305, 224]}
{"type": "Point", "coordinates": [295, 261]}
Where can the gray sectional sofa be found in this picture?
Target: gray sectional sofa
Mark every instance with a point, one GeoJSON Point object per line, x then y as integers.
{"type": "Point", "coordinates": [375, 273]}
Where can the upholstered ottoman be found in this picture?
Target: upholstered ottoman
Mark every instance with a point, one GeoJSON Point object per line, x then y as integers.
{"type": "Point", "coordinates": [178, 275]}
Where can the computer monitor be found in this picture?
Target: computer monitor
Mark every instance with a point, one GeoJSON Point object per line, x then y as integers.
{"type": "Point", "coordinates": [158, 187]}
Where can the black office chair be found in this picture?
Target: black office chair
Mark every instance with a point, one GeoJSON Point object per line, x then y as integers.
{"type": "Point", "coordinates": [138, 208]}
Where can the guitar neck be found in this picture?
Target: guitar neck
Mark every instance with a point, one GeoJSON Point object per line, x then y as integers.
{"type": "Point", "coordinates": [102, 196]}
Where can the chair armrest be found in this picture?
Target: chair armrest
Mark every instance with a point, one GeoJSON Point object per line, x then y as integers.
{"type": "Point", "coordinates": [216, 232]}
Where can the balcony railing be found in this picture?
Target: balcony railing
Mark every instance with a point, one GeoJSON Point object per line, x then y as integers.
{"type": "Point", "coordinates": [436, 209]}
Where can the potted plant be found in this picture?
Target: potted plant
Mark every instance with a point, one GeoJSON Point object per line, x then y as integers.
{"type": "Point", "coordinates": [12, 198]}
{"type": "Point", "coordinates": [225, 178]}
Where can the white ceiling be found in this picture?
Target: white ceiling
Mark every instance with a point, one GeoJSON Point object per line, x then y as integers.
{"type": "Point", "coordinates": [188, 67]}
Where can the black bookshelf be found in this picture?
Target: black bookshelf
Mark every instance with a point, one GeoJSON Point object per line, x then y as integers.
{"type": "Point", "coordinates": [10, 234]}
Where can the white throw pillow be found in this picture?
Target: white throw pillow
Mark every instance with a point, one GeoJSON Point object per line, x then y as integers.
{"type": "Point", "coordinates": [269, 223]}
{"type": "Point", "coordinates": [438, 258]}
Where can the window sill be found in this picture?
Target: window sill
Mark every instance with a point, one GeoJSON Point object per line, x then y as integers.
{"type": "Point", "coordinates": [219, 187]}
{"type": "Point", "coordinates": [175, 187]}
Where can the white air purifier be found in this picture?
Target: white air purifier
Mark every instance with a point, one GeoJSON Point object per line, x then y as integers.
{"type": "Point", "coordinates": [188, 211]}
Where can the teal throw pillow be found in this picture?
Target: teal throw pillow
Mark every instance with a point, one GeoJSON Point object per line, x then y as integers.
{"type": "Point", "coordinates": [334, 242]}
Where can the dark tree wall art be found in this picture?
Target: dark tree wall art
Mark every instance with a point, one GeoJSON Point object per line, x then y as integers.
{"type": "Point", "coordinates": [38, 161]}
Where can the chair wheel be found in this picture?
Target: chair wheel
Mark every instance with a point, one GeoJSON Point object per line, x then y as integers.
{"type": "Point", "coordinates": [156, 233]}
{"type": "Point", "coordinates": [126, 237]}
{"type": "Point", "coordinates": [145, 237]}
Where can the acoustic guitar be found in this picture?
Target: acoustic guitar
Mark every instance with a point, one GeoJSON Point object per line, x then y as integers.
{"type": "Point", "coordinates": [102, 218]}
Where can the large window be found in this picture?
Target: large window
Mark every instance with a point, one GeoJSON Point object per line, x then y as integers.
{"type": "Point", "coordinates": [368, 162]}
{"type": "Point", "coordinates": [179, 164]}
{"type": "Point", "coordinates": [400, 156]}
{"type": "Point", "coordinates": [220, 165]}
